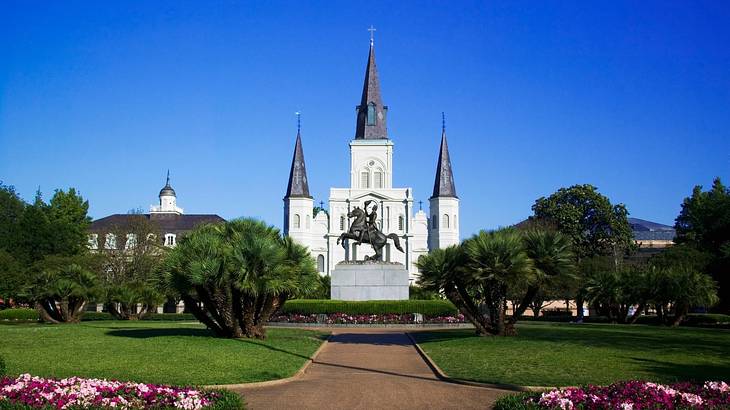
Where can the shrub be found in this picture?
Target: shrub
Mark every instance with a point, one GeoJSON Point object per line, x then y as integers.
{"type": "Point", "coordinates": [93, 316]}
{"type": "Point", "coordinates": [20, 314]}
{"type": "Point", "coordinates": [373, 307]}
{"type": "Point", "coordinates": [171, 316]}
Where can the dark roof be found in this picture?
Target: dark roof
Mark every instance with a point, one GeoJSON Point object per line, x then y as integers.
{"type": "Point", "coordinates": [371, 96]}
{"type": "Point", "coordinates": [644, 230]}
{"type": "Point", "coordinates": [168, 223]}
{"type": "Point", "coordinates": [298, 186]}
{"type": "Point", "coordinates": [443, 185]}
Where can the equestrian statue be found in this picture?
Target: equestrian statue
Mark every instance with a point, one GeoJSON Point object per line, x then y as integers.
{"type": "Point", "coordinates": [365, 230]}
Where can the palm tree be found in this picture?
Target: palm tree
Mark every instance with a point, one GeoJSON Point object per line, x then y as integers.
{"type": "Point", "coordinates": [61, 288]}
{"type": "Point", "coordinates": [495, 261]}
{"type": "Point", "coordinates": [442, 270]}
{"type": "Point", "coordinates": [553, 262]}
{"type": "Point", "coordinates": [233, 276]}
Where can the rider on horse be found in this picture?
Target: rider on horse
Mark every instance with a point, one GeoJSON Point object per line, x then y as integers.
{"type": "Point", "coordinates": [372, 217]}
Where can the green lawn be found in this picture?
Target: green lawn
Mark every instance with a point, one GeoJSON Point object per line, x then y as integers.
{"type": "Point", "coordinates": [549, 354]}
{"type": "Point", "coordinates": [154, 352]}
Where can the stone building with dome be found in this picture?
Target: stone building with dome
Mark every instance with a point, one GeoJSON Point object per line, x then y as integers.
{"type": "Point", "coordinates": [168, 218]}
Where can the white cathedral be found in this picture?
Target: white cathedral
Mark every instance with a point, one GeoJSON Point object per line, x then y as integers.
{"type": "Point", "coordinates": [371, 179]}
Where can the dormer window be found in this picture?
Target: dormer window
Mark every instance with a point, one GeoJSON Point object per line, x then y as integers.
{"type": "Point", "coordinates": [110, 241]}
{"type": "Point", "coordinates": [372, 117]}
{"type": "Point", "coordinates": [170, 239]}
{"type": "Point", "coordinates": [93, 244]}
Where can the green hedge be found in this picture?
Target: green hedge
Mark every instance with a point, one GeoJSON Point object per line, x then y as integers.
{"type": "Point", "coordinates": [424, 307]}
{"type": "Point", "coordinates": [24, 314]}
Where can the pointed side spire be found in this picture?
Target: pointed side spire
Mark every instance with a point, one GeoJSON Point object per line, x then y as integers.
{"type": "Point", "coordinates": [298, 186]}
{"type": "Point", "coordinates": [443, 185]}
{"type": "Point", "coordinates": [371, 113]}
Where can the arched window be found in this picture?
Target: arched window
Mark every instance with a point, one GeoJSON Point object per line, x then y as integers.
{"type": "Point", "coordinates": [342, 222]}
{"type": "Point", "coordinates": [297, 221]}
{"type": "Point", "coordinates": [434, 222]}
{"type": "Point", "coordinates": [364, 179]}
{"type": "Point", "coordinates": [307, 218]}
{"type": "Point", "coordinates": [110, 241]}
{"type": "Point", "coordinates": [320, 263]}
{"type": "Point", "coordinates": [445, 221]}
{"type": "Point", "coordinates": [456, 225]}
{"type": "Point", "coordinates": [378, 179]}
{"type": "Point", "coordinates": [371, 114]}
{"type": "Point", "coordinates": [401, 222]}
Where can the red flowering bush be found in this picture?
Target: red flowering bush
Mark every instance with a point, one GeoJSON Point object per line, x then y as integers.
{"type": "Point", "coordinates": [630, 395]}
{"type": "Point", "coordinates": [27, 391]}
{"type": "Point", "coordinates": [346, 319]}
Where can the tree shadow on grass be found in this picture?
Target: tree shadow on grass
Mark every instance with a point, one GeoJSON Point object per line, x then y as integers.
{"type": "Point", "coordinates": [146, 333]}
{"type": "Point", "coordinates": [684, 372]}
{"type": "Point", "coordinates": [630, 338]}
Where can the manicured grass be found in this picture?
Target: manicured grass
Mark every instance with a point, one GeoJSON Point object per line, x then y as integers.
{"type": "Point", "coordinates": [550, 354]}
{"type": "Point", "coordinates": [153, 352]}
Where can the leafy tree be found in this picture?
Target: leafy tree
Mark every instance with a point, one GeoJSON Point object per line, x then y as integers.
{"type": "Point", "coordinates": [232, 276]}
{"type": "Point", "coordinates": [130, 270]}
{"type": "Point", "coordinates": [69, 222]}
{"type": "Point", "coordinates": [420, 293]}
{"type": "Point", "coordinates": [595, 226]}
{"type": "Point", "coordinates": [704, 223]}
{"type": "Point", "coordinates": [11, 211]}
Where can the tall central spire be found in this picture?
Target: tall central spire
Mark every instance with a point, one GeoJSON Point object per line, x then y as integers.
{"type": "Point", "coordinates": [371, 111]}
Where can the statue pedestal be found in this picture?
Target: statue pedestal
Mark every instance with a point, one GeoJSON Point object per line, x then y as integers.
{"type": "Point", "coordinates": [363, 280]}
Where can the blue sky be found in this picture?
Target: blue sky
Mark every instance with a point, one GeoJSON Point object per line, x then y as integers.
{"type": "Point", "coordinates": [633, 97]}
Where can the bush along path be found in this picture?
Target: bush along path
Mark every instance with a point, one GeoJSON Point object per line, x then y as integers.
{"type": "Point", "coordinates": [365, 369]}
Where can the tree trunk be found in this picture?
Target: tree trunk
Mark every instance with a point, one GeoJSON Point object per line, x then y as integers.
{"type": "Point", "coordinates": [680, 311]}
{"type": "Point", "coordinates": [476, 319]}
{"type": "Point", "coordinates": [637, 312]}
{"type": "Point", "coordinates": [192, 306]}
{"type": "Point", "coordinates": [526, 300]}
{"type": "Point", "coordinates": [579, 307]}
{"type": "Point", "coordinates": [45, 314]}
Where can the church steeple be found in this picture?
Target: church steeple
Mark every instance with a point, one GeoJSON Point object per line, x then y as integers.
{"type": "Point", "coordinates": [443, 185]}
{"type": "Point", "coordinates": [371, 113]}
{"type": "Point", "coordinates": [298, 186]}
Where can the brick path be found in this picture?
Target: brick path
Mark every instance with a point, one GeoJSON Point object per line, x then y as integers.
{"type": "Point", "coordinates": [369, 369]}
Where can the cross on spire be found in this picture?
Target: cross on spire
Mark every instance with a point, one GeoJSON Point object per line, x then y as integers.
{"type": "Point", "coordinates": [420, 205]}
{"type": "Point", "coordinates": [321, 204]}
{"type": "Point", "coordinates": [168, 178]}
{"type": "Point", "coordinates": [372, 35]}
{"type": "Point", "coordinates": [299, 121]}
{"type": "Point", "coordinates": [443, 121]}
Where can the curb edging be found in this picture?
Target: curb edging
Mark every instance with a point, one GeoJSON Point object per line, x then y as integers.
{"type": "Point", "coordinates": [268, 383]}
{"type": "Point", "coordinates": [441, 375]}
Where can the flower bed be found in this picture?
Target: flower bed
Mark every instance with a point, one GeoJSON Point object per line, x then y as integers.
{"type": "Point", "coordinates": [27, 391]}
{"type": "Point", "coordinates": [343, 318]}
{"type": "Point", "coordinates": [631, 395]}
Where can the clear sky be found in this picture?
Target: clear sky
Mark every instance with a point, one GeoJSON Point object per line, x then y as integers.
{"type": "Point", "coordinates": [105, 96]}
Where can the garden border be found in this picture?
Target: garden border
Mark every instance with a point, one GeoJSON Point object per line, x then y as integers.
{"type": "Point", "coordinates": [275, 382]}
{"type": "Point", "coordinates": [441, 375]}
{"type": "Point", "coordinates": [374, 325]}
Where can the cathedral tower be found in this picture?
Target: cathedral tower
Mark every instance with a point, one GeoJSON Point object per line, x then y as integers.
{"type": "Point", "coordinates": [298, 203]}
{"type": "Point", "coordinates": [444, 204]}
{"type": "Point", "coordinates": [371, 152]}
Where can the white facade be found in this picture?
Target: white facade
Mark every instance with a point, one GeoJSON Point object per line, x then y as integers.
{"type": "Point", "coordinates": [371, 179]}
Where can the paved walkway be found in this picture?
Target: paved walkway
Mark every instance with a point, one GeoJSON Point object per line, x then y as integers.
{"type": "Point", "coordinates": [369, 369]}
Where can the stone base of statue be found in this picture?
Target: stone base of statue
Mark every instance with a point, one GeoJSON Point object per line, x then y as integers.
{"type": "Point", "coordinates": [368, 280]}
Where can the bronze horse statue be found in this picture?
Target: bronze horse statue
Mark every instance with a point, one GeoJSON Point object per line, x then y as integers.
{"type": "Point", "coordinates": [360, 231]}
